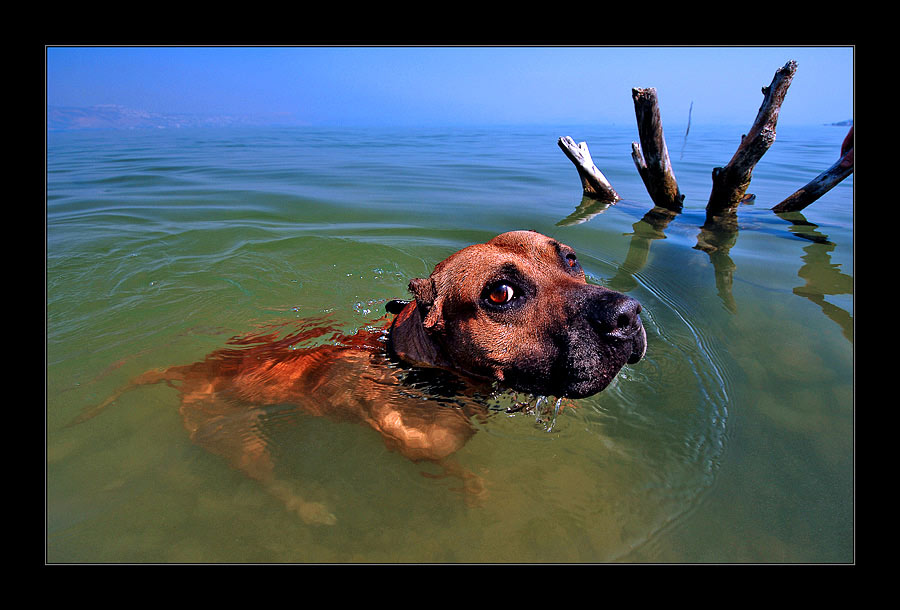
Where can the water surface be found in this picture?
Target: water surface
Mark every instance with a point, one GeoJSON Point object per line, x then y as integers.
{"type": "Point", "coordinates": [731, 441]}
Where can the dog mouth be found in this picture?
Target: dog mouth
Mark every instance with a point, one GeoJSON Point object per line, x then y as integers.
{"type": "Point", "coordinates": [584, 369]}
{"type": "Point", "coordinates": [588, 370]}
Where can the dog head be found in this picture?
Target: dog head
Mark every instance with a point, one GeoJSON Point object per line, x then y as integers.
{"type": "Point", "coordinates": [519, 311]}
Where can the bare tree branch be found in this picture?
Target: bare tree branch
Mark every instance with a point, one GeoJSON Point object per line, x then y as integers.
{"type": "Point", "coordinates": [654, 165]}
{"type": "Point", "coordinates": [731, 182]}
{"type": "Point", "coordinates": [594, 183]}
{"type": "Point", "coordinates": [822, 183]}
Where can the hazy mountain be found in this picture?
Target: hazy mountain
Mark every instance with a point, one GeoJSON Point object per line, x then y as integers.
{"type": "Point", "coordinates": [118, 117]}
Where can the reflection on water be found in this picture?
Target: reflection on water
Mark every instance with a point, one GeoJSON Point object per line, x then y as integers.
{"type": "Point", "coordinates": [586, 210]}
{"type": "Point", "coordinates": [717, 236]}
{"type": "Point", "coordinates": [821, 276]}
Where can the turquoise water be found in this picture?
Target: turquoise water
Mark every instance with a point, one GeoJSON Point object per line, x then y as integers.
{"type": "Point", "coordinates": [732, 441]}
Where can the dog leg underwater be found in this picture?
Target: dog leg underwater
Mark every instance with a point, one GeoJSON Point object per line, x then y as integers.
{"type": "Point", "coordinates": [175, 373]}
{"type": "Point", "coordinates": [234, 432]}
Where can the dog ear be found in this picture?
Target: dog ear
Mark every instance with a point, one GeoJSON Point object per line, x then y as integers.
{"type": "Point", "coordinates": [427, 300]}
{"type": "Point", "coordinates": [423, 290]}
{"type": "Point", "coordinates": [410, 332]}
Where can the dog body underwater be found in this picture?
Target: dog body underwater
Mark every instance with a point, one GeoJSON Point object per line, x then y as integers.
{"type": "Point", "coordinates": [515, 311]}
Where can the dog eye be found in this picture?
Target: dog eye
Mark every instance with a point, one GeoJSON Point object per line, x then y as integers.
{"type": "Point", "coordinates": [571, 259]}
{"type": "Point", "coordinates": [501, 294]}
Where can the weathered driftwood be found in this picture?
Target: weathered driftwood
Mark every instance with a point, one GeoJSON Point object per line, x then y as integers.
{"type": "Point", "coordinates": [594, 183]}
{"type": "Point", "coordinates": [731, 182]}
{"type": "Point", "coordinates": [654, 165]}
{"type": "Point", "coordinates": [822, 183]}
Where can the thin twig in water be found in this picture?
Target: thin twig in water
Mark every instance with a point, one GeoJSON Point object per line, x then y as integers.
{"type": "Point", "coordinates": [687, 131]}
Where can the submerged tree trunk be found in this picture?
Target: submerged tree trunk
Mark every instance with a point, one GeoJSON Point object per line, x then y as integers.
{"type": "Point", "coordinates": [731, 182]}
{"type": "Point", "coordinates": [822, 183]}
{"type": "Point", "coordinates": [594, 183]}
{"type": "Point", "coordinates": [654, 165]}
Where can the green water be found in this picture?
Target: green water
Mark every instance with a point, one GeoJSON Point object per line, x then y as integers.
{"type": "Point", "coordinates": [732, 441]}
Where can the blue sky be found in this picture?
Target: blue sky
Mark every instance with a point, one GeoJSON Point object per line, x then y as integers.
{"type": "Point", "coordinates": [453, 85]}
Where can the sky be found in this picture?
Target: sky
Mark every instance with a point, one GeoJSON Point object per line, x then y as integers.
{"type": "Point", "coordinates": [403, 86]}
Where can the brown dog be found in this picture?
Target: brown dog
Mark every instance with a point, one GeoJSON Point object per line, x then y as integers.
{"type": "Point", "coordinates": [515, 311]}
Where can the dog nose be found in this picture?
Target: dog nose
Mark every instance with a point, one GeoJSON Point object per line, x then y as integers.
{"type": "Point", "coordinates": [617, 315]}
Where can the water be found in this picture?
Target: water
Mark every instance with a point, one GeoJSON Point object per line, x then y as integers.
{"type": "Point", "coordinates": [732, 441]}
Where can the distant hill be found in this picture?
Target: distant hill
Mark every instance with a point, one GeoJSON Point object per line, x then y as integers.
{"type": "Point", "coordinates": [60, 118]}
{"type": "Point", "coordinates": [846, 123]}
